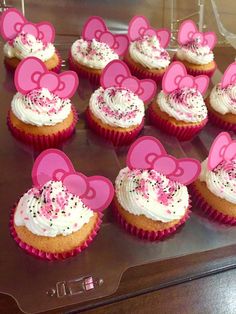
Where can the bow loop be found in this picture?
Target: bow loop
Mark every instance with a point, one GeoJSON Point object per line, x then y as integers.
{"type": "Point", "coordinates": [229, 76]}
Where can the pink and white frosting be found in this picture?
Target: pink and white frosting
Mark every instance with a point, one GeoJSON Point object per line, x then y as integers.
{"type": "Point", "coordinates": [51, 210]}
{"type": "Point", "coordinates": [152, 194]}
{"type": "Point", "coordinates": [221, 180]}
{"type": "Point", "coordinates": [92, 53]}
{"type": "Point", "coordinates": [184, 104]}
{"type": "Point", "coordinates": [27, 45]}
{"type": "Point", "coordinates": [117, 106]}
{"type": "Point", "coordinates": [40, 107]}
{"type": "Point", "coordinates": [148, 52]}
{"type": "Point", "coordinates": [223, 99]}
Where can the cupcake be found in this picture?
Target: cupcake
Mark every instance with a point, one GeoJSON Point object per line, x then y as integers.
{"type": "Point", "coordinates": [179, 109]}
{"type": "Point", "coordinates": [195, 50]}
{"type": "Point", "coordinates": [222, 101]}
{"type": "Point", "coordinates": [95, 49]}
{"type": "Point", "coordinates": [25, 39]}
{"type": "Point", "coordinates": [215, 189]}
{"type": "Point", "coordinates": [151, 198]}
{"type": "Point", "coordinates": [116, 109]}
{"type": "Point", "coordinates": [41, 112]}
{"type": "Point", "coordinates": [147, 57]}
{"type": "Point", "coordinates": [60, 215]}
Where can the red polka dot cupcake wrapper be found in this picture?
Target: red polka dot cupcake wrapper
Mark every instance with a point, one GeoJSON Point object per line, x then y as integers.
{"type": "Point", "coordinates": [43, 141]}
{"type": "Point", "coordinates": [210, 212]}
{"type": "Point", "coordinates": [149, 235]}
{"type": "Point", "coordinates": [52, 256]}
{"type": "Point", "coordinates": [220, 123]}
{"type": "Point", "coordinates": [182, 133]}
{"type": "Point", "coordinates": [116, 137]}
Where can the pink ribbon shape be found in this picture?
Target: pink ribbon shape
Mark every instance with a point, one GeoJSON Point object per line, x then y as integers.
{"type": "Point", "coordinates": [14, 23]}
{"type": "Point", "coordinates": [148, 153]}
{"type": "Point", "coordinates": [222, 149]}
{"type": "Point", "coordinates": [188, 32]}
{"type": "Point", "coordinates": [176, 77]}
{"type": "Point", "coordinates": [229, 76]}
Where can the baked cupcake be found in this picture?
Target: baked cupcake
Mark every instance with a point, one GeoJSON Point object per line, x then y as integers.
{"type": "Point", "coordinates": [41, 112]}
{"type": "Point", "coordinates": [95, 49]}
{"type": "Point", "coordinates": [25, 39]}
{"type": "Point", "coordinates": [147, 57]}
{"type": "Point", "coordinates": [195, 50]}
{"type": "Point", "coordinates": [179, 108]}
{"type": "Point", "coordinates": [215, 189]}
{"type": "Point", "coordinates": [221, 103]}
{"type": "Point", "coordinates": [61, 214]}
{"type": "Point", "coordinates": [151, 198]}
{"type": "Point", "coordinates": [116, 109]}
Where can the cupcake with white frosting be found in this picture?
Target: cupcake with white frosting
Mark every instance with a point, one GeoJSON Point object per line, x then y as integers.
{"type": "Point", "coordinates": [59, 216]}
{"type": "Point", "coordinates": [147, 56]}
{"type": "Point", "coordinates": [195, 50]}
{"type": "Point", "coordinates": [41, 113]}
{"type": "Point", "coordinates": [95, 49]}
{"type": "Point", "coordinates": [24, 39]}
{"type": "Point", "coordinates": [151, 196]}
{"type": "Point", "coordinates": [222, 100]}
{"type": "Point", "coordinates": [116, 109]}
{"type": "Point", "coordinates": [215, 189]}
{"type": "Point", "coordinates": [179, 108]}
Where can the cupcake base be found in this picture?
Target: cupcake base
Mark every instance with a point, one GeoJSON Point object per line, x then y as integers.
{"type": "Point", "coordinates": [117, 136]}
{"type": "Point", "coordinates": [43, 141]}
{"type": "Point", "coordinates": [50, 256]}
{"type": "Point", "coordinates": [204, 199]}
{"type": "Point", "coordinates": [180, 129]}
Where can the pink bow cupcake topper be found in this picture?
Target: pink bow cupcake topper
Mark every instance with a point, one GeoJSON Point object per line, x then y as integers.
{"type": "Point", "coordinates": [139, 27]}
{"type": "Point", "coordinates": [148, 153]}
{"type": "Point", "coordinates": [229, 76]}
{"type": "Point", "coordinates": [96, 192]}
{"type": "Point", "coordinates": [14, 23]}
{"type": "Point", "coordinates": [95, 28]}
{"type": "Point", "coordinates": [222, 149]}
{"type": "Point", "coordinates": [32, 74]}
{"type": "Point", "coordinates": [189, 32]}
{"type": "Point", "coordinates": [176, 77]}
{"type": "Point", "coordinates": [117, 74]}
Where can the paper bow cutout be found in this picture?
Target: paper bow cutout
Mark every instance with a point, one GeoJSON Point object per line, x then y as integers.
{"type": "Point", "coordinates": [176, 77]}
{"type": "Point", "coordinates": [13, 23]}
{"type": "Point", "coordinates": [95, 28]}
{"type": "Point", "coordinates": [139, 27]}
{"type": "Point", "coordinates": [148, 153]}
{"type": "Point", "coordinates": [223, 148]}
{"type": "Point", "coordinates": [229, 76]}
{"type": "Point", "coordinates": [32, 74]}
{"type": "Point", "coordinates": [96, 192]}
{"type": "Point", "coordinates": [116, 73]}
{"type": "Point", "coordinates": [188, 32]}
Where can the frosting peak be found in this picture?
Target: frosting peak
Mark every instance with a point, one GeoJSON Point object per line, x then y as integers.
{"type": "Point", "coordinates": [223, 100]}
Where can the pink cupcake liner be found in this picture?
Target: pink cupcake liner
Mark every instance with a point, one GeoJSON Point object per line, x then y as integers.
{"type": "Point", "coordinates": [210, 212]}
{"type": "Point", "coordinates": [183, 133]}
{"type": "Point", "coordinates": [149, 235]}
{"type": "Point", "coordinates": [220, 123]}
{"type": "Point", "coordinates": [52, 256]}
{"type": "Point", "coordinates": [116, 137]}
{"type": "Point", "coordinates": [44, 141]}
{"type": "Point", "coordinates": [143, 74]}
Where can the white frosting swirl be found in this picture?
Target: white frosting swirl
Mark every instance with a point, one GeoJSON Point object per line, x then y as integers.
{"type": "Point", "coordinates": [51, 210]}
{"type": "Point", "coordinates": [148, 52]}
{"type": "Point", "coordinates": [93, 54]}
{"type": "Point", "coordinates": [117, 107]}
{"type": "Point", "coordinates": [223, 100]}
{"type": "Point", "coordinates": [221, 181]}
{"type": "Point", "coordinates": [149, 193]}
{"type": "Point", "coordinates": [195, 53]}
{"type": "Point", "coordinates": [185, 104]}
{"type": "Point", "coordinates": [40, 107]}
{"type": "Point", "coordinates": [26, 45]}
